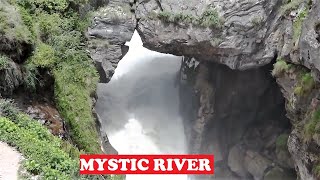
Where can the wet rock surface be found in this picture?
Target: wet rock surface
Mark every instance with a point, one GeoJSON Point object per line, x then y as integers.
{"type": "Point", "coordinates": [41, 108]}
{"type": "Point", "coordinates": [243, 40]}
{"type": "Point", "coordinates": [112, 26]}
{"type": "Point", "coordinates": [240, 123]}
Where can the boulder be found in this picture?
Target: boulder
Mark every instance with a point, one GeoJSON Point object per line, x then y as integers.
{"type": "Point", "coordinates": [277, 173]}
{"type": "Point", "coordinates": [256, 164]}
{"type": "Point", "coordinates": [236, 161]}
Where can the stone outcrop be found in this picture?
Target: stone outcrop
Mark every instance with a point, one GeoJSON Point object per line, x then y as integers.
{"type": "Point", "coordinates": [112, 26]}
{"type": "Point", "coordinates": [238, 115]}
{"type": "Point", "coordinates": [243, 39]}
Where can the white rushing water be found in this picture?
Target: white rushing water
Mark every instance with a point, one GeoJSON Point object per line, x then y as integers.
{"type": "Point", "coordinates": [140, 106]}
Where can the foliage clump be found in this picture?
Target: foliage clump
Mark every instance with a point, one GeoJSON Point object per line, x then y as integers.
{"type": "Point", "coordinates": [316, 170]}
{"type": "Point", "coordinates": [209, 18]}
{"type": "Point", "coordinates": [12, 26]}
{"type": "Point", "coordinates": [43, 56]}
{"type": "Point", "coordinates": [313, 125]}
{"type": "Point", "coordinates": [46, 155]}
{"type": "Point", "coordinates": [57, 28]}
{"type": "Point", "coordinates": [297, 24]}
{"type": "Point", "coordinates": [280, 67]}
{"type": "Point", "coordinates": [4, 62]}
{"type": "Point", "coordinates": [43, 151]}
{"type": "Point", "coordinates": [305, 84]}
{"type": "Point", "coordinates": [291, 5]}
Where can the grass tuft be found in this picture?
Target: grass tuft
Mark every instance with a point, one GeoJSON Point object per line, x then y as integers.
{"type": "Point", "coordinates": [297, 24]}
{"type": "Point", "coordinates": [290, 6]}
{"type": "Point", "coordinates": [279, 67]}
{"type": "Point", "coordinates": [4, 62]}
{"type": "Point", "coordinates": [313, 125]}
{"type": "Point", "coordinates": [304, 85]}
{"type": "Point", "coordinates": [209, 18]}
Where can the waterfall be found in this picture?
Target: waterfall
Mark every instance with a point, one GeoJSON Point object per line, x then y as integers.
{"type": "Point", "coordinates": [139, 107]}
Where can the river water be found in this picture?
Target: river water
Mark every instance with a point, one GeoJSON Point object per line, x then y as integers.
{"type": "Point", "coordinates": [139, 107]}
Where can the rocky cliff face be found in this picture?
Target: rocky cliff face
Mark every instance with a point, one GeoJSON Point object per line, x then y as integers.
{"type": "Point", "coordinates": [238, 115]}
{"type": "Point", "coordinates": [232, 105]}
{"type": "Point", "coordinates": [239, 34]}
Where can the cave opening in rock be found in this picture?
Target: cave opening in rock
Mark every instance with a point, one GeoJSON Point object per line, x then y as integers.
{"type": "Point", "coordinates": [239, 116]}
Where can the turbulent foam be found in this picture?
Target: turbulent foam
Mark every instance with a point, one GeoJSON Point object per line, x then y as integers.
{"type": "Point", "coordinates": [139, 107]}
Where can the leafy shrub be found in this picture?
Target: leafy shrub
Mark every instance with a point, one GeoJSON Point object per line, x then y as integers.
{"type": "Point", "coordinates": [44, 5]}
{"type": "Point", "coordinates": [305, 84]}
{"type": "Point", "coordinates": [43, 56]}
{"type": "Point", "coordinates": [279, 67]}
{"type": "Point", "coordinates": [42, 150]}
{"type": "Point", "coordinates": [290, 6]}
{"type": "Point", "coordinates": [4, 62]}
{"type": "Point", "coordinates": [8, 109]}
{"type": "Point", "coordinates": [74, 104]}
{"type": "Point", "coordinates": [316, 170]}
{"type": "Point", "coordinates": [48, 25]}
{"type": "Point", "coordinates": [209, 18]}
{"type": "Point", "coordinates": [30, 78]}
{"type": "Point", "coordinates": [12, 26]}
{"type": "Point", "coordinates": [165, 16]}
{"type": "Point", "coordinates": [257, 21]}
{"type": "Point", "coordinates": [58, 49]}
{"type": "Point", "coordinates": [312, 126]}
{"type": "Point", "coordinates": [297, 24]}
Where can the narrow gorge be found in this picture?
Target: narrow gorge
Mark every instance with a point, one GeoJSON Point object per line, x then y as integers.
{"type": "Point", "coordinates": [235, 78]}
{"type": "Point", "coordinates": [247, 83]}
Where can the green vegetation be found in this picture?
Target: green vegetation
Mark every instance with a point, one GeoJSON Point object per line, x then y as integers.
{"type": "Point", "coordinates": [304, 85]}
{"type": "Point", "coordinates": [43, 152]}
{"type": "Point", "coordinates": [313, 125]}
{"type": "Point", "coordinates": [43, 56]}
{"type": "Point", "coordinates": [56, 29]}
{"type": "Point", "coordinates": [46, 155]}
{"type": "Point", "coordinates": [30, 79]}
{"type": "Point", "coordinates": [280, 67]}
{"type": "Point", "coordinates": [316, 170]}
{"type": "Point", "coordinates": [4, 62]}
{"type": "Point", "coordinates": [293, 5]}
{"type": "Point", "coordinates": [281, 142]}
{"type": "Point", "coordinates": [297, 24]}
{"type": "Point", "coordinates": [11, 24]}
{"type": "Point", "coordinates": [45, 5]}
{"type": "Point", "coordinates": [177, 18]}
{"type": "Point", "coordinates": [290, 6]}
{"type": "Point", "coordinates": [256, 21]}
{"type": "Point", "coordinates": [209, 18]}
